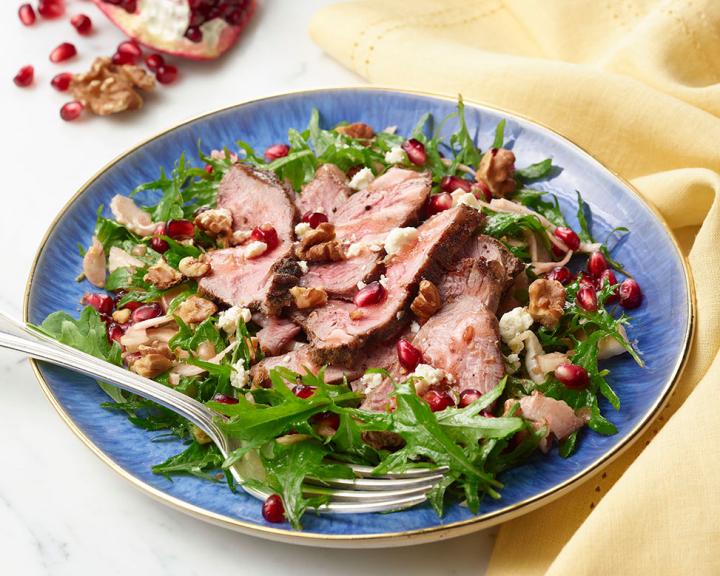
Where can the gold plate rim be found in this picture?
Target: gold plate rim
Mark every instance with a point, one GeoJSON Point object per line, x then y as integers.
{"type": "Point", "coordinates": [386, 539]}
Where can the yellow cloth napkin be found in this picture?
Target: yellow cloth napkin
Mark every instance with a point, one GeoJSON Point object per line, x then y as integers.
{"type": "Point", "coordinates": [637, 83]}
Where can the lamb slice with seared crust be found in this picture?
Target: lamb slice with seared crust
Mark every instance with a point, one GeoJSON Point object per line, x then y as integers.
{"type": "Point", "coordinates": [338, 330]}
{"type": "Point", "coordinates": [276, 334]}
{"type": "Point", "coordinates": [254, 197]}
{"type": "Point", "coordinates": [326, 193]}
{"type": "Point", "coordinates": [299, 360]}
{"type": "Point", "coordinates": [340, 279]}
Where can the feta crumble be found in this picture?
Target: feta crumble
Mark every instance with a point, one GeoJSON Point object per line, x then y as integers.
{"type": "Point", "coordinates": [360, 285]}
{"type": "Point", "coordinates": [228, 319]}
{"type": "Point", "coordinates": [354, 250]}
{"type": "Point", "coordinates": [399, 238]}
{"type": "Point", "coordinates": [255, 249]}
{"type": "Point", "coordinates": [362, 179]}
{"type": "Point", "coordinates": [301, 229]}
{"type": "Point", "coordinates": [239, 377]}
{"type": "Point", "coordinates": [513, 325]}
{"type": "Point", "coordinates": [383, 281]}
{"type": "Point", "coordinates": [370, 382]}
{"type": "Point", "coordinates": [467, 198]}
{"type": "Point", "coordinates": [395, 155]}
{"type": "Point", "coordinates": [303, 266]}
{"type": "Point", "coordinates": [414, 327]}
{"type": "Point", "coordinates": [430, 374]}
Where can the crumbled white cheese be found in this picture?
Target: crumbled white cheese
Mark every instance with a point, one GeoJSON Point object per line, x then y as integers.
{"type": "Point", "coordinates": [467, 198]}
{"type": "Point", "coordinates": [255, 249]}
{"type": "Point", "coordinates": [354, 249]}
{"type": "Point", "coordinates": [395, 155]}
{"type": "Point", "coordinates": [414, 327]}
{"type": "Point", "coordinates": [383, 281]}
{"type": "Point", "coordinates": [239, 236]}
{"type": "Point", "coordinates": [370, 382]}
{"type": "Point", "coordinates": [512, 326]}
{"type": "Point", "coordinates": [239, 377]}
{"type": "Point", "coordinates": [228, 319]}
{"type": "Point", "coordinates": [362, 179]}
{"type": "Point", "coordinates": [360, 285]}
{"type": "Point", "coordinates": [301, 229]}
{"type": "Point", "coordinates": [400, 238]}
{"type": "Point", "coordinates": [430, 374]}
{"type": "Point", "coordinates": [303, 266]}
{"type": "Point", "coordinates": [375, 247]}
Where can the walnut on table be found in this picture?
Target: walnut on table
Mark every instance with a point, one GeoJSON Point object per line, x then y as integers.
{"type": "Point", "coordinates": [547, 300]}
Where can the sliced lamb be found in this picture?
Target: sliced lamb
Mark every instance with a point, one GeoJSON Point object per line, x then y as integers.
{"type": "Point", "coordinates": [254, 198]}
{"type": "Point", "coordinates": [326, 193]}
{"type": "Point", "coordinates": [298, 360]}
{"type": "Point", "coordinates": [339, 329]}
{"type": "Point", "coordinates": [276, 334]}
{"type": "Point", "coordinates": [340, 279]}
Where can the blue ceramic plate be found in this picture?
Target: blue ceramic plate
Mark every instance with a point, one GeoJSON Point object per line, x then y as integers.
{"type": "Point", "coordinates": [649, 251]}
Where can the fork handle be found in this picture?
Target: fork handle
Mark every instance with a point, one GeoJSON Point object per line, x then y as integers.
{"type": "Point", "coordinates": [19, 336]}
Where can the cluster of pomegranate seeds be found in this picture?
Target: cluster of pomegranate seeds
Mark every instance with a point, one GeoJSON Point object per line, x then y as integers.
{"type": "Point", "coordinates": [314, 219]}
{"type": "Point", "coordinates": [572, 376]}
{"type": "Point", "coordinates": [273, 509]}
{"type": "Point", "coordinates": [568, 236]}
{"type": "Point", "coordinates": [223, 399]}
{"type": "Point", "coordinates": [63, 52]}
{"type": "Point", "coordinates": [302, 391]}
{"type": "Point", "coordinates": [180, 229]}
{"type": "Point", "coordinates": [452, 183]}
{"type": "Point", "coordinates": [267, 234]}
{"type": "Point", "coordinates": [61, 82]}
{"type": "Point", "coordinates": [415, 151]}
{"type": "Point", "coordinates": [586, 298]}
{"type": "Point", "coordinates": [25, 76]}
{"type": "Point", "coordinates": [146, 312]}
{"type": "Point", "coordinates": [560, 273]}
{"type": "Point", "coordinates": [468, 396]}
{"type": "Point", "coordinates": [26, 14]}
{"type": "Point", "coordinates": [439, 203]}
{"type": "Point", "coordinates": [438, 400]}
{"type": "Point", "coordinates": [51, 8]}
{"type": "Point", "coordinates": [408, 356]}
{"type": "Point", "coordinates": [101, 302]}
{"type": "Point", "coordinates": [82, 24]}
{"type": "Point", "coordinates": [371, 294]}
{"type": "Point", "coordinates": [276, 151]}
{"type": "Point", "coordinates": [234, 12]}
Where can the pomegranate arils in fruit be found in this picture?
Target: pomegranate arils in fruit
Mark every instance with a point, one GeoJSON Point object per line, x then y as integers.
{"type": "Point", "coordinates": [572, 376]}
{"type": "Point", "coordinates": [568, 236]}
{"type": "Point", "coordinates": [481, 191]}
{"type": "Point", "coordinates": [115, 332]}
{"type": "Point", "coordinates": [180, 229]}
{"type": "Point", "coordinates": [166, 74]}
{"type": "Point", "coordinates": [146, 312]}
{"type": "Point", "coordinates": [276, 151]}
{"type": "Point", "coordinates": [302, 391]}
{"type": "Point", "coordinates": [597, 264]}
{"type": "Point", "coordinates": [51, 8]}
{"type": "Point", "coordinates": [24, 77]}
{"type": "Point", "coordinates": [587, 298]}
{"type": "Point", "coordinates": [408, 356]}
{"type": "Point", "coordinates": [101, 302]}
{"type": "Point", "coordinates": [267, 234]}
{"type": "Point", "coordinates": [469, 396]}
{"type": "Point", "coordinates": [63, 52]}
{"type": "Point", "coordinates": [452, 183]}
{"type": "Point", "coordinates": [61, 82]}
{"type": "Point", "coordinates": [154, 61]}
{"type": "Point", "coordinates": [157, 243]}
{"type": "Point", "coordinates": [439, 203]}
{"type": "Point", "coordinates": [560, 274]}
{"type": "Point", "coordinates": [438, 400]}
{"type": "Point", "coordinates": [273, 509]}
{"type": "Point", "coordinates": [371, 294]}
{"type": "Point", "coordinates": [314, 218]}
{"type": "Point", "coordinates": [415, 151]}
{"type": "Point", "coordinates": [71, 111]}
{"type": "Point", "coordinates": [82, 24]}
{"type": "Point", "coordinates": [26, 14]}
{"type": "Point", "coordinates": [630, 294]}
{"type": "Point", "coordinates": [222, 399]}
{"type": "Point", "coordinates": [194, 34]}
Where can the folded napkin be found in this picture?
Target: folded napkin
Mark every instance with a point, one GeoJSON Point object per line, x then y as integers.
{"type": "Point", "coordinates": [637, 83]}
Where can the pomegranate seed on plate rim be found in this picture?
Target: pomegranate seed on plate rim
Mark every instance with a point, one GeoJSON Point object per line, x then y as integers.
{"type": "Point", "coordinates": [572, 376]}
{"type": "Point", "coordinates": [372, 294]}
{"type": "Point", "coordinates": [63, 52]}
{"type": "Point", "coordinates": [408, 356]}
{"type": "Point", "coordinates": [82, 24]}
{"type": "Point", "coordinates": [276, 151]}
{"type": "Point", "coordinates": [24, 77]}
{"type": "Point", "coordinates": [273, 509]}
{"type": "Point", "coordinates": [61, 82]}
{"type": "Point", "coordinates": [26, 14]}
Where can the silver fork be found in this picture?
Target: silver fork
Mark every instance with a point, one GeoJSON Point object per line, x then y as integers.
{"type": "Point", "coordinates": [364, 493]}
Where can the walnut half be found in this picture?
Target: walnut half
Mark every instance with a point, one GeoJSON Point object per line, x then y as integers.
{"type": "Point", "coordinates": [162, 275]}
{"type": "Point", "coordinates": [308, 297]}
{"type": "Point", "coordinates": [195, 310]}
{"type": "Point", "coordinates": [319, 245]}
{"type": "Point", "coordinates": [427, 302]}
{"type": "Point", "coordinates": [497, 168]}
{"type": "Point", "coordinates": [547, 300]}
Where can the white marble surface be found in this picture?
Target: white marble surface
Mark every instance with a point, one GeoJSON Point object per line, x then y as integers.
{"type": "Point", "coordinates": [62, 511]}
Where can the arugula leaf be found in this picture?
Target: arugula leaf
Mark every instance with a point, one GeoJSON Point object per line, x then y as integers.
{"type": "Point", "coordinates": [499, 134]}
{"type": "Point", "coordinates": [189, 339]}
{"type": "Point", "coordinates": [197, 460]}
{"type": "Point", "coordinates": [467, 152]}
{"type": "Point", "coordinates": [583, 212]}
{"type": "Point", "coordinates": [535, 171]}
{"type": "Point", "coordinates": [501, 224]}
{"type": "Point", "coordinates": [533, 200]}
{"type": "Point", "coordinates": [111, 233]}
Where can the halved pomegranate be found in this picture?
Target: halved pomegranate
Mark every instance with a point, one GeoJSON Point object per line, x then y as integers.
{"type": "Point", "coordinates": [194, 29]}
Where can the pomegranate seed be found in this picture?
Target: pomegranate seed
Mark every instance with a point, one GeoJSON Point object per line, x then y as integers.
{"type": "Point", "coordinates": [154, 61]}
{"type": "Point", "coordinates": [568, 236]}
{"type": "Point", "coordinates": [24, 77]}
{"type": "Point", "coordinates": [51, 8]}
{"type": "Point", "coordinates": [560, 274]}
{"type": "Point", "coordinates": [146, 312]}
{"type": "Point", "coordinates": [481, 191]}
{"type": "Point", "coordinates": [327, 419]}
{"type": "Point", "coordinates": [26, 14]}
{"type": "Point", "coordinates": [61, 82]}
{"type": "Point", "coordinates": [415, 151]}
{"type": "Point", "coordinates": [123, 58]}
{"type": "Point", "coordinates": [209, 169]}
{"type": "Point", "coordinates": [630, 294]}
{"type": "Point", "coordinates": [63, 52]}
{"type": "Point", "coordinates": [180, 229]}
{"type": "Point", "coordinates": [608, 277]}
{"type": "Point", "coordinates": [194, 34]}
{"type": "Point", "coordinates": [314, 218]}
{"type": "Point", "coordinates": [71, 111]}
{"type": "Point", "coordinates": [597, 264]}
{"type": "Point", "coordinates": [115, 332]}
{"type": "Point", "coordinates": [589, 281]}
{"type": "Point", "coordinates": [276, 151]}
{"type": "Point", "coordinates": [132, 305]}
{"type": "Point", "coordinates": [438, 400]}
{"type": "Point", "coordinates": [439, 203]}
{"type": "Point", "coordinates": [408, 356]}
{"type": "Point", "coordinates": [82, 24]}
{"type": "Point", "coordinates": [157, 243]}
{"type": "Point", "coordinates": [101, 302]}
{"type": "Point", "coordinates": [572, 376]}
{"type": "Point", "coordinates": [266, 233]}
{"type": "Point", "coordinates": [129, 47]}
{"type": "Point", "coordinates": [222, 399]}
{"type": "Point", "coordinates": [469, 396]}
{"type": "Point", "coordinates": [302, 391]}
{"type": "Point", "coordinates": [371, 294]}
{"type": "Point", "coordinates": [452, 183]}
{"type": "Point", "coordinates": [129, 5]}
{"type": "Point", "coordinates": [166, 74]}
{"type": "Point", "coordinates": [273, 509]}
{"type": "Point", "coordinates": [586, 298]}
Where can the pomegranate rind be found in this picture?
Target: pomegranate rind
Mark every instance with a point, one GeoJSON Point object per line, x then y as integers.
{"type": "Point", "coordinates": [133, 26]}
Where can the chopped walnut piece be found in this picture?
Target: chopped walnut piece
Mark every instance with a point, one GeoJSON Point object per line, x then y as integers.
{"type": "Point", "coordinates": [323, 233]}
{"type": "Point", "coordinates": [121, 316]}
{"type": "Point", "coordinates": [192, 267]}
{"type": "Point", "coordinates": [319, 245]}
{"type": "Point", "coordinates": [497, 168]}
{"type": "Point", "coordinates": [357, 314]}
{"type": "Point", "coordinates": [308, 297]}
{"type": "Point", "coordinates": [215, 222]}
{"type": "Point", "coordinates": [195, 310]}
{"type": "Point", "coordinates": [427, 302]}
{"type": "Point", "coordinates": [107, 88]}
{"type": "Point", "coordinates": [151, 364]}
{"type": "Point", "coordinates": [239, 237]}
{"type": "Point", "coordinates": [356, 130]}
{"type": "Point", "coordinates": [162, 275]}
{"type": "Point", "coordinates": [547, 299]}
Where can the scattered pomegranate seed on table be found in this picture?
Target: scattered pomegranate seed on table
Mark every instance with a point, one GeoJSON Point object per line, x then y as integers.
{"type": "Point", "coordinates": [51, 8]}
{"type": "Point", "coordinates": [302, 391]}
{"type": "Point", "coordinates": [439, 203]}
{"type": "Point", "coordinates": [180, 229]}
{"type": "Point", "coordinates": [61, 82]}
{"type": "Point", "coordinates": [123, 58]}
{"type": "Point", "coordinates": [129, 47]}
{"type": "Point", "coordinates": [24, 77]}
{"type": "Point", "coordinates": [276, 151]}
{"type": "Point", "coordinates": [101, 302]}
{"type": "Point", "coordinates": [597, 264]}
{"type": "Point", "coordinates": [452, 183]}
{"type": "Point", "coordinates": [166, 74]}
{"type": "Point", "coordinates": [273, 509]}
{"type": "Point", "coordinates": [154, 61]}
{"type": "Point", "coordinates": [63, 52]}
{"type": "Point", "coordinates": [630, 294]}
{"type": "Point", "coordinates": [568, 236]}
{"type": "Point", "coordinates": [572, 376]}
{"type": "Point", "coordinates": [587, 299]}
{"type": "Point", "coordinates": [82, 24]}
{"type": "Point", "coordinates": [267, 234]}
{"type": "Point", "coordinates": [415, 151]}
{"type": "Point", "coordinates": [561, 274]}
{"type": "Point", "coordinates": [71, 110]}
{"type": "Point", "coordinates": [438, 400]}
{"type": "Point", "coordinates": [314, 218]}
{"type": "Point", "coordinates": [223, 399]}
{"type": "Point", "coordinates": [469, 396]}
{"type": "Point", "coordinates": [26, 14]}
{"type": "Point", "coordinates": [371, 294]}
{"type": "Point", "coordinates": [146, 312]}
{"type": "Point", "coordinates": [408, 356]}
